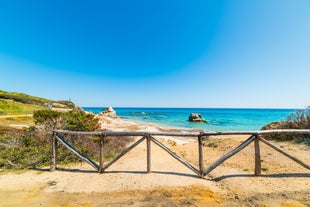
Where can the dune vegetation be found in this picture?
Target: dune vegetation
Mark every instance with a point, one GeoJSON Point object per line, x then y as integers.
{"type": "Point", "coordinates": [298, 120]}
{"type": "Point", "coordinates": [30, 147]}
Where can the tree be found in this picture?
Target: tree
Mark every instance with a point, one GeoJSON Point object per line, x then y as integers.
{"type": "Point", "coordinates": [75, 120]}
{"type": "Point", "coordinates": [51, 120]}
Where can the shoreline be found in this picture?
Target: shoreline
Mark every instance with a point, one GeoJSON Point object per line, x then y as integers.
{"type": "Point", "coordinates": [119, 124]}
{"type": "Point", "coordinates": [218, 119]}
{"type": "Point", "coordinates": [109, 118]}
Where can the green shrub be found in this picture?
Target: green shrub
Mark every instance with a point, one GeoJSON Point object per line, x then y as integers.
{"type": "Point", "coordinates": [31, 147]}
{"type": "Point", "coordinates": [22, 149]}
{"type": "Point", "coordinates": [298, 120]}
{"type": "Point", "coordinates": [78, 120]}
{"type": "Point", "coordinates": [75, 120]}
{"type": "Point", "coordinates": [2, 162]}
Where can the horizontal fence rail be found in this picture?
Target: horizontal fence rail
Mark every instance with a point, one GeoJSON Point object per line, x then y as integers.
{"type": "Point", "coordinates": [185, 134]}
{"type": "Point", "coordinates": [254, 136]}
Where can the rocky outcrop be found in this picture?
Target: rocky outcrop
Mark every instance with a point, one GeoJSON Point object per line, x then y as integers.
{"type": "Point", "coordinates": [108, 112]}
{"type": "Point", "coordinates": [194, 117]}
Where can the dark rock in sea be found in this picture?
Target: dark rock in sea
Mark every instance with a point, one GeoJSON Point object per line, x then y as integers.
{"type": "Point", "coordinates": [194, 117]}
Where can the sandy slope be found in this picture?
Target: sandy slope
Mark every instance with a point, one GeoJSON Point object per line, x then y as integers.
{"type": "Point", "coordinates": [284, 183]}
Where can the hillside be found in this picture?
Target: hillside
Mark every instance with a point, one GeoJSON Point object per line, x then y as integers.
{"type": "Point", "coordinates": [33, 100]}
{"type": "Point", "coordinates": [23, 98]}
{"type": "Point", "coordinates": [16, 109]}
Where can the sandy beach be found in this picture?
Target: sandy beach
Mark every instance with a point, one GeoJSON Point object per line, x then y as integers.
{"type": "Point", "coordinates": [283, 182]}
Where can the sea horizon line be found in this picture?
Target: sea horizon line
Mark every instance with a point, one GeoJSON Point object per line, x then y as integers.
{"type": "Point", "coordinates": [154, 107]}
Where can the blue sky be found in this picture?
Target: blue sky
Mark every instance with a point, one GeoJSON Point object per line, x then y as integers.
{"type": "Point", "coordinates": [140, 53]}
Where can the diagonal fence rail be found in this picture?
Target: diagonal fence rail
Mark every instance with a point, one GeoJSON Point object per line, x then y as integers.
{"type": "Point", "coordinates": [201, 171]}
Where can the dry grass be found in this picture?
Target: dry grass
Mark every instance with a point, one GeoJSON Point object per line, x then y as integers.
{"type": "Point", "coordinates": [16, 121]}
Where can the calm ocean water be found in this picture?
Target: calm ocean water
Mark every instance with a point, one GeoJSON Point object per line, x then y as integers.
{"type": "Point", "coordinates": [222, 119]}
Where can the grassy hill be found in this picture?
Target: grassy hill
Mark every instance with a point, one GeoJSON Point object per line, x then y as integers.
{"type": "Point", "coordinates": [13, 103]}
{"type": "Point", "coordinates": [16, 109]}
{"type": "Point", "coordinates": [10, 107]}
{"type": "Point", "coordinates": [28, 99]}
{"type": "Point", "coordinates": [23, 98]}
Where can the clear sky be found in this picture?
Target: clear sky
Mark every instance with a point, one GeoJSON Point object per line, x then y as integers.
{"type": "Point", "coordinates": [158, 53]}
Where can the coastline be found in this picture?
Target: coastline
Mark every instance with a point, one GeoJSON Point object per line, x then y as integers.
{"type": "Point", "coordinates": [119, 124]}
{"type": "Point", "coordinates": [122, 124]}
{"type": "Point", "coordinates": [223, 119]}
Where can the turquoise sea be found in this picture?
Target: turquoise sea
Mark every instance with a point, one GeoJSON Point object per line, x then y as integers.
{"type": "Point", "coordinates": [219, 119]}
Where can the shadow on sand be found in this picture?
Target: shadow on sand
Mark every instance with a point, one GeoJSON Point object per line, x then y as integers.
{"type": "Point", "coordinates": [284, 175]}
{"type": "Point", "coordinates": [217, 179]}
{"type": "Point", "coordinates": [116, 172]}
{"type": "Point", "coordinates": [155, 172]}
{"type": "Point", "coordinates": [65, 170]}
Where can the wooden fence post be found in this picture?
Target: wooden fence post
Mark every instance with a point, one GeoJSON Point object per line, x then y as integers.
{"type": "Point", "coordinates": [54, 153]}
{"type": "Point", "coordinates": [148, 149]}
{"type": "Point", "coordinates": [200, 156]}
{"type": "Point", "coordinates": [101, 158]}
{"type": "Point", "coordinates": [258, 167]}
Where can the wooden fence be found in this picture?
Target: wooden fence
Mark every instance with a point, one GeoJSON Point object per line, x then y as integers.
{"type": "Point", "coordinates": [255, 136]}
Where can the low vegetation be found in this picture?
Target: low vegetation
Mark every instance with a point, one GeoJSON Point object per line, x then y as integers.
{"type": "Point", "coordinates": [10, 107]}
{"type": "Point", "coordinates": [298, 120]}
{"type": "Point", "coordinates": [22, 148]}
{"type": "Point", "coordinates": [31, 148]}
{"type": "Point", "coordinates": [23, 98]}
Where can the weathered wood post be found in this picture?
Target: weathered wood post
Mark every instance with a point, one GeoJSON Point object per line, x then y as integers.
{"type": "Point", "coordinates": [54, 153]}
{"type": "Point", "coordinates": [258, 167]}
{"type": "Point", "coordinates": [200, 156]}
{"type": "Point", "coordinates": [148, 149]}
{"type": "Point", "coordinates": [101, 158]}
